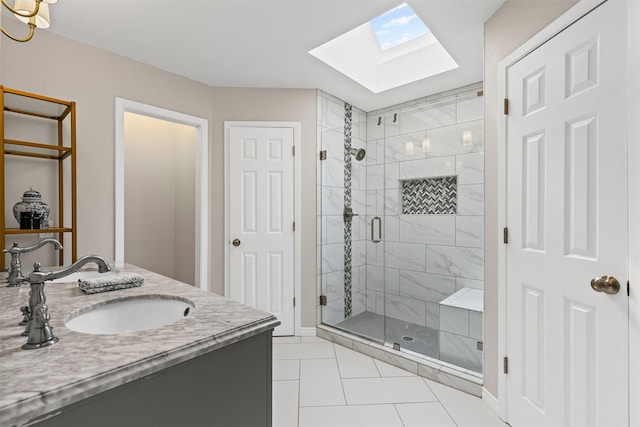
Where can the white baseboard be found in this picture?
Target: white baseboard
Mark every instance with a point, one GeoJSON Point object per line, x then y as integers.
{"type": "Point", "coordinates": [493, 403]}
{"type": "Point", "coordinates": [306, 332]}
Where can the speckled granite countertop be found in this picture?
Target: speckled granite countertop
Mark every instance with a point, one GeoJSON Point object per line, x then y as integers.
{"type": "Point", "coordinates": [35, 382]}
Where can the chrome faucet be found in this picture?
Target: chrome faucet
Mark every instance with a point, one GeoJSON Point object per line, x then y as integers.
{"type": "Point", "coordinates": [15, 270]}
{"type": "Point", "coordinates": [38, 330]}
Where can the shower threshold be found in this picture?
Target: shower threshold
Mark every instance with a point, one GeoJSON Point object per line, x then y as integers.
{"type": "Point", "coordinates": [436, 370]}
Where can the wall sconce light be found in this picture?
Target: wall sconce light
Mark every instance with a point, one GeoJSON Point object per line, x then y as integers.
{"type": "Point", "coordinates": [408, 148]}
{"type": "Point", "coordinates": [34, 13]}
{"type": "Point", "coordinates": [426, 145]}
{"type": "Point", "coordinates": [467, 138]}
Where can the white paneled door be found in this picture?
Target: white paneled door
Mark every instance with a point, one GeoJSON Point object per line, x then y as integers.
{"type": "Point", "coordinates": [567, 216]}
{"type": "Point", "coordinates": [261, 231]}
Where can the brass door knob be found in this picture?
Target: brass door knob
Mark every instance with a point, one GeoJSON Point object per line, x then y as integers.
{"type": "Point", "coordinates": [607, 284]}
{"type": "Point", "coordinates": [236, 242]}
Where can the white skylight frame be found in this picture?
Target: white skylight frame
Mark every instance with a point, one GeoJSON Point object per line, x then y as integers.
{"type": "Point", "coordinates": [358, 55]}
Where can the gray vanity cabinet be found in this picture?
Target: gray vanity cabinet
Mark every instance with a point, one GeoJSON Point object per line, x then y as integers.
{"type": "Point", "coordinates": [227, 387]}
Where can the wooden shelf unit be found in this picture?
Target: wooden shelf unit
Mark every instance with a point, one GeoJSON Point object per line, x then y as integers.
{"type": "Point", "coordinates": [38, 107]}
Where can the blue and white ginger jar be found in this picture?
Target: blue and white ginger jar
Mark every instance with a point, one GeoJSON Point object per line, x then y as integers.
{"type": "Point", "coordinates": [32, 202]}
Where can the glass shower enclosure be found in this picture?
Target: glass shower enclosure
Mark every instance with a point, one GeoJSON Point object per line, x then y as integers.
{"type": "Point", "coordinates": [400, 215]}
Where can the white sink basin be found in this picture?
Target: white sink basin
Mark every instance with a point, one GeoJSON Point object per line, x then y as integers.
{"type": "Point", "coordinates": [84, 274]}
{"type": "Point", "coordinates": [131, 314]}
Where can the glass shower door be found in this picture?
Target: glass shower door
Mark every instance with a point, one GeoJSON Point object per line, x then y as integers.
{"type": "Point", "coordinates": [410, 324]}
{"type": "Point", "coordinates": [432, 223]}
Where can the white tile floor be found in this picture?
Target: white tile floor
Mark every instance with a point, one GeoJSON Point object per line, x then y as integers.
{"type": "Point", "coordinates": [320, 384]}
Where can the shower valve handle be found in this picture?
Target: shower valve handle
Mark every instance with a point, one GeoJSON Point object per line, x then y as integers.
{"type": "Point", "coordinates": [348, 214]}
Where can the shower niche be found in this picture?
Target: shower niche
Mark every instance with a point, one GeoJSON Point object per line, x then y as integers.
{"type": "Point", "coordinates": [404, 269]}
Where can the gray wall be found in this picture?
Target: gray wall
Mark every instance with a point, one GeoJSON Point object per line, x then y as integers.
{"type": "Point", "coordinates": [94, 78]}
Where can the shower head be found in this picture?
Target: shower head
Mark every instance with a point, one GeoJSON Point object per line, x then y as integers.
{"type": "Point", "coordinates": [358, 153]}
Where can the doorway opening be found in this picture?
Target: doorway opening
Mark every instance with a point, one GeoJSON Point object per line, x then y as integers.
{"type": "Point", "coordinates": [198, 204]}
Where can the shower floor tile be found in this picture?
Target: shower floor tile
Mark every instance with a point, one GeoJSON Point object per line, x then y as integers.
{"type": "Point", "coordinates": [412, 337]}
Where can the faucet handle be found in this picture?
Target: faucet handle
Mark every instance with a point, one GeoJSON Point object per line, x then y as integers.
{"type": "Point", "coordinates": [6, 251]}
{"type": "Point", "coordinates": [37, 267]}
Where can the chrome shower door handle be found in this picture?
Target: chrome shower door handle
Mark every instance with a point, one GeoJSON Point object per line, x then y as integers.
{"type": "Point", "coordinates": [373, 220]}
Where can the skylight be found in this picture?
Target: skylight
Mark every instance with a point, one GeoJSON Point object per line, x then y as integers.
{"type": "Point", "coordinates": [392, 50]}
{"type": "Point", "coordinates": [397, 26]}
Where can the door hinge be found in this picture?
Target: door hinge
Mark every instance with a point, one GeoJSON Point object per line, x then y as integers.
{"type": "Point", "coordinates": [323, 155]}
{"type": "Point", "coordinates": [323, 300]}
{"type": "Point", "coordinates": [293, 150]}
{"type": "Point", "coordinates": [294, 226]}
{"type": "Point", "coordinates": [506, 365]}
{"type": "Point", "coordinates": [505, 235]}
{"type": "Point", "coordinates": [506, 107]}
{"type": "Point", "coordinates": [294, 301]}
{"type": "Point", "coordinates": [628, 289]}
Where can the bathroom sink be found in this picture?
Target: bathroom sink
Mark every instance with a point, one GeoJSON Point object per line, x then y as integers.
{"type": "Point", "coordinates": [84, 274]}
{"type": "Point", "coordinates": [130, 314]}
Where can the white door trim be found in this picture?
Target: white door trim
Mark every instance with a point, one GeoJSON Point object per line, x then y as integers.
{"type": "Point", "coordinates": [564, 21]}
{"type": "Point", "coordinates": [202, 179]}
{"type": "Point", "coordinates": [297, 193]}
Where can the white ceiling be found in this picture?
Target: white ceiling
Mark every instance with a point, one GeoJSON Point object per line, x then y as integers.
{"type": "Point", "coordinates": [265, 44]}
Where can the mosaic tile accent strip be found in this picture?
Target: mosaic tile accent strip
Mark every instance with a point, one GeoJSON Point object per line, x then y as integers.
{"type": "Point", "coordinates": [347, 204]}
{"type": "Point", "coordinates": [432, 196]}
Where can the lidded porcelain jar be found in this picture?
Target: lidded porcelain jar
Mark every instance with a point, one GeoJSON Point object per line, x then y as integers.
{"type": "Point", "coordinates": [32, 202]}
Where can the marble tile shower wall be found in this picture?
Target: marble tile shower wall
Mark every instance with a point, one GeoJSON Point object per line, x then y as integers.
{"type": "Point", "coordinates": [330, 190]}
{"type": "Point", "coordinates": [424, 258]}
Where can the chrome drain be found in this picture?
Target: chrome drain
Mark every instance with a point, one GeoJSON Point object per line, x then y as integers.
{"type": "Point", "coordinates": [407, 338]}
